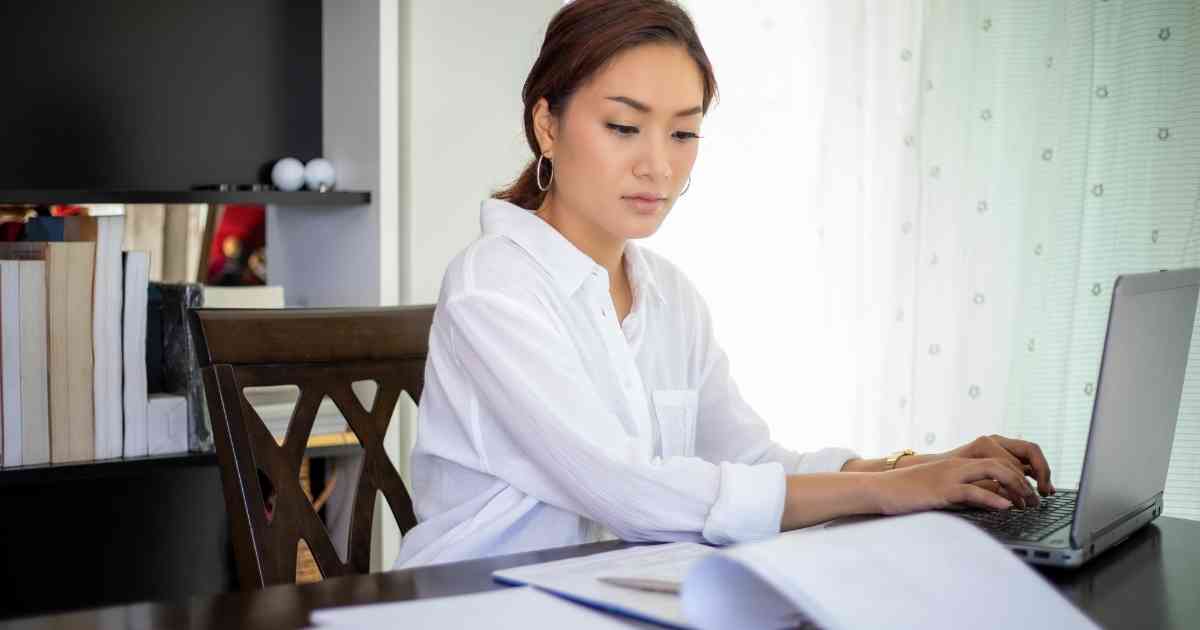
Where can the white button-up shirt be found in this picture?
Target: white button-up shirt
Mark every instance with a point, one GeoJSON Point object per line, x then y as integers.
{"type": "Point", "coordinates": [545, 421]}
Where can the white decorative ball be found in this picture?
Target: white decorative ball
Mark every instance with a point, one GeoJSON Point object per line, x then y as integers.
{"type": "Point", "coordinates": [288, 174]}
{"type": "Point", "coordinates": [319, 175]}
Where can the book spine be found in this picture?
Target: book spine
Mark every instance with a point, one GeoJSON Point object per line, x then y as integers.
{"type": "Point", "coordinates": [35, 421]}
{"type": "Point", "coordinates": [10, 362]}
{"type": "Point", "coordinates": [80, 367]}
{"type": "Point", "coordinates": [134, 353]}
{"type": "Point", "coordinates": [58, 291]}
{"type": "Point", "coordinates": [106, 333]}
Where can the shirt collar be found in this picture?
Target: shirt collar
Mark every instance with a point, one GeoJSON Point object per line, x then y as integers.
{"type": "Point", "coordinates": [640, 274]}
{"type": "Point", "coordinates": [566, 264]}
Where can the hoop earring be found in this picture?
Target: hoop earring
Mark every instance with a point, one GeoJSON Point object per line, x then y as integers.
{"type": "Point", "coordinates": [686, 186]}
{"type": "Point", "coordinates": [539, 174]}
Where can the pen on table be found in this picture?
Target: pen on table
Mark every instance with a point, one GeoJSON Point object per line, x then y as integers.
{"type": "Point", "coordinates": [643, 584]}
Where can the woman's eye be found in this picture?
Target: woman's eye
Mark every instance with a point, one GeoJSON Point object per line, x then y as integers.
{"type": "Point", "coordinates": [686, 135]}
{"type": "Point", "coordinates": [623, 130]}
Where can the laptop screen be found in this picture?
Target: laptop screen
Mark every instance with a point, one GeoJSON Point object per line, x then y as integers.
{"type": "Point", "coordinates": [1137, 402]}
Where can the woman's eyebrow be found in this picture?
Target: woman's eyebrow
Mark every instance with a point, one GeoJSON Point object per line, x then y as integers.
{"type": "Point", "coordinates": [644, 108]}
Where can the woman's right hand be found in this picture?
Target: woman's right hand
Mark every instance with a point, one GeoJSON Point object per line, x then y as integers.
{"type": "Point", "coordinates": [951, 482]}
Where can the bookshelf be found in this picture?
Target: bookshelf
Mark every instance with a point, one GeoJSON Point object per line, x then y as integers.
{"type": "Point", "coordinates": [331, 445]}
{"type": "Point", "coordinates": [261, 197]}
{"type": "Point", "coordinates": [304, 78]}
{"type": "Point", "coordinates": [298, 209]}
{"type": "Point", "coordinates": [156, 527]}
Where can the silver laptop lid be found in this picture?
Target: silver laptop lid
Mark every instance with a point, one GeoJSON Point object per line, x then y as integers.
{"type": "Point", "coordinates": [1137, 398]}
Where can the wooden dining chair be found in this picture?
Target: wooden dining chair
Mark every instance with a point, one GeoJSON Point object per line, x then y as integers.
{"type": "Point", "coordinates": [322, 352]}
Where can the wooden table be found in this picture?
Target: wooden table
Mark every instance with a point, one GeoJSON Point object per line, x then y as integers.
{"type": "Point", "coordinates": [1151, 581]}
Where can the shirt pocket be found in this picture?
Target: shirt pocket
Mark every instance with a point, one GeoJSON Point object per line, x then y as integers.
{"type": "Point", "coordinates": [676, 411]}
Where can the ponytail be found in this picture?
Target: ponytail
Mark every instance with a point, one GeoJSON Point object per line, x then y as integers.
{"type": "Point", "coordinates": [524, 192]}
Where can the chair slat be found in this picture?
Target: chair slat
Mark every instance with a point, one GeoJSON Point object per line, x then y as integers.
{"type": "Point", "coordinates": [322, 352]}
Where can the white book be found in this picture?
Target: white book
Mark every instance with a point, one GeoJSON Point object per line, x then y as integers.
{"type": "Point", "coordinates": [928, 570]}
{"type": "Point", "coordinates": [507, 609]}
{"type": "Point", "coordinates": [166, 424]}
{"type": "Point", "coordinates": [106, 331]}
{"type": "Point", "coordinates": [137, 279]}
{"type": "Point", "coordinates": [183, 229]}
{"type": "Point", "coordinates": [243, 297]}
{"type": "Point", "coordinates": [10, 359]}
{"type": "Point", "coordinates": [144, 233]}
{"type": "Point", "coordinates": [35, 396]}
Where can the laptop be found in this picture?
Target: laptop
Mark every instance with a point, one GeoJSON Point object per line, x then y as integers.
{"type": "Point", "coordinates": [1133, 426]}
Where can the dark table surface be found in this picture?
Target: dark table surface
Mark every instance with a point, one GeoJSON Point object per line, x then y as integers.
{"type": "Point", "coordinates": [1152, 580]}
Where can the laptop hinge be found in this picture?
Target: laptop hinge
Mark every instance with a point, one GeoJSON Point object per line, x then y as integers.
{"type": "Point", "coordinates": [1132, 514]}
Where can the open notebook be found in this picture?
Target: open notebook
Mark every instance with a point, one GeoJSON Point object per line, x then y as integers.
{"type": "Point", "coordinates": [508, 609]}
{"type": "Point", "coordinates": [924, 570]}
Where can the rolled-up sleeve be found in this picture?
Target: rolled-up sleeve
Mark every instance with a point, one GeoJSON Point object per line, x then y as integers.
{"type": "Point", "coordinates": [542, 426]}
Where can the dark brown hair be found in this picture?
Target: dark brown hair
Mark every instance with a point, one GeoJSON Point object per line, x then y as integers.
{"type": "Point", "coordinates": [580, 39]}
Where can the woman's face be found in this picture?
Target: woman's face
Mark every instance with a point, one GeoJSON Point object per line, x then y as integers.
{"type": "Point", "coordinates": [623, 149]}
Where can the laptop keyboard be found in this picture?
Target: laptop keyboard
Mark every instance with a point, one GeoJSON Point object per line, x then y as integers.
{"type": "Point", "coordinates": [1030, 524]}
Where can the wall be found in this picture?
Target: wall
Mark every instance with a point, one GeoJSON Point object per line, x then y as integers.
{"type": "Point", "coordinates": [462, 66]}
{"type": "Point", "coordinates": [153, 95]}
{"type": "Point", "coordinates": [422, 104]}
{"type": "Point", "coordinates": [467, 62]}
{"type": "Point", "coordinates": [326, 256]}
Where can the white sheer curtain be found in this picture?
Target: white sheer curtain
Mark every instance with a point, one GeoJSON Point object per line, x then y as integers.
{"type": "Point", "coordinates": [907, 216]}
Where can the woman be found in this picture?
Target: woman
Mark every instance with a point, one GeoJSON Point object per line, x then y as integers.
{"type": "Point", "coordinates": [574, 390]}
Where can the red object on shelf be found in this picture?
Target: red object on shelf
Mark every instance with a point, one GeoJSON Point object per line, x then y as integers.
{"type": "Point", "coordinates": [11, 230]}
{"type": "Point", "coordinates": [67, 210]}
{"type": "Point", "coordinates": [241, 232]}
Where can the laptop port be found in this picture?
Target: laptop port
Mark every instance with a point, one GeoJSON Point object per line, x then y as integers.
{"type": "Point", "coordinates": [1020, 552]}
{"type": "Point", "coordinates": [1045, 555]}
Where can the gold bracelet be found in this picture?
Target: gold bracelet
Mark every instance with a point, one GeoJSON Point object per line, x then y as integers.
{"type": "Point", "coordinates": [895, 457]}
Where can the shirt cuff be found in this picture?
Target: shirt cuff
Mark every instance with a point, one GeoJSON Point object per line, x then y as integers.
{"type": "Point", "coordinates": [749, 503]}
{"type": "Point", "coordinates": [824, 460]}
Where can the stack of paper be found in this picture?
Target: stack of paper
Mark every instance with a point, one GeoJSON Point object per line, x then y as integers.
{"type": "Point", "coordinates": [921, 571]}
{"type": "Point", "coordinates": [926, 570]}
{"type": "Point", "coordinates": [133, 342]}
{"type": "Point", "coordinates": [507, 609]}
{"type": "Point", "coordinates": [579, 579]}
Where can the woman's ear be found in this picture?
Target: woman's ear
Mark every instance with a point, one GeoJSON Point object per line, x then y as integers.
{"type": "Point", "coordinates": [545, 127]}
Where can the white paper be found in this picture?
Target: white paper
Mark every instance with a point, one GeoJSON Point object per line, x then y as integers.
{"type": "Point", "coordinates": [10, 361]}
{"type": "Point", "coordinates": [924, 571]}
{"type": "Point", "coordinates": [578, 578]}
{"type": "Point", "coordinates": [106, 338]}
{"type": "Point", "coordinates": [166, 424]}
{"type": "Point", "coordinates": [510, 608]}
{"type": "Point", "coordinates": [35, 384]}
{"type": "Point", "coordinates": [134, 354]}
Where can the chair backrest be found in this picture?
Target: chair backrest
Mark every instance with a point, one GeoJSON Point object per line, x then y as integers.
{"type": "Point", "coordinates": [322, 352]}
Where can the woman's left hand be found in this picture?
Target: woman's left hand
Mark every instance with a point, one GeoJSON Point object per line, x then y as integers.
{"type": "Point", "coordinates": [1024, 456]}
{"type": "Point", "coordinates": [1027, 455]}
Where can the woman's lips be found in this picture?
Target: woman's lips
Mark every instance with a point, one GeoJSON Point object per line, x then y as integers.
{"type": "Point", "coordinates": [644, 204]}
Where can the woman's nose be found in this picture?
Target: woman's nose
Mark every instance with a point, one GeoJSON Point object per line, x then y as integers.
{"type": "Point", "coordinates": [655, 162]}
